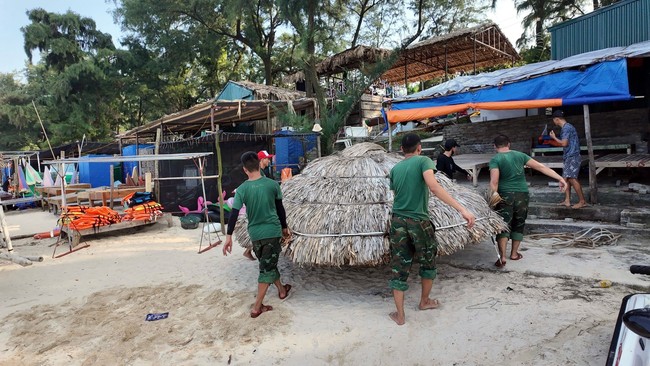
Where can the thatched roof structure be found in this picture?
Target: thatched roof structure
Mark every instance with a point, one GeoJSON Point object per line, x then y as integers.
{"type": "Point", "coordinates": [350, 59]}
{"type": "Point", "coordinates": [339, 211]}
{"type": "Point", "coordinates": [268, 92]}
{"type": "Point", "coordinates": [225, 112]}
{"type": "Point", "coordinates": [463, 50]}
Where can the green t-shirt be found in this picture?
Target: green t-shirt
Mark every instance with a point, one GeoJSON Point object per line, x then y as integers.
{"type": "Point", "coordinates": [512, 177]}
{"type": "Point", "coordinates": [259, 196]}
{"type": "Point", "coordinates": [411, 192]}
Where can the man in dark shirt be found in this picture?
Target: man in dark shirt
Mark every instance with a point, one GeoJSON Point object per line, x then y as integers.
{"type": "Point", "coordinates": [446, 163]}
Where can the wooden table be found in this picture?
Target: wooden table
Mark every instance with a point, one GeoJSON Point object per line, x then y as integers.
{"type": "Point", "coordinates": [543, 150]}
{"type": "Point", "coordinates": [74, 236]}
{"type": "Point", "coordinates": [473, 163]}
{"type": "Point", "coordinates": [104, 194]}
{"type": "Point", "coordinates": [622, 161]}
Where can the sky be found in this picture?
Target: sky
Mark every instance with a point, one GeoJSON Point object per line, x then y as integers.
{"type": "Point", "coordinates": [13, 17]}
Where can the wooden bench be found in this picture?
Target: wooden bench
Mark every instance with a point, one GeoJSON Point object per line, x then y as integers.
{"type": "Point", "coordinates": [54, 203]}
{"type": "Point", "coordinates": [543, 150]}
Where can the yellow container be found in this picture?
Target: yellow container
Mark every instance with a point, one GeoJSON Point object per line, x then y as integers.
{"type": "Point", "coordinates": [605, 283]}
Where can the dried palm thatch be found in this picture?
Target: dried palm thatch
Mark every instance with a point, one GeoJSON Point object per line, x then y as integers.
{"type": "Point", "coordinates": [339, 211]}
{"type": "Point", "coordinates": [451, 229]}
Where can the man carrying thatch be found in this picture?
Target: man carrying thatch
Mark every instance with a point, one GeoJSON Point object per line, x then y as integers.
{"type": "Point", "coordinates": [507, 177]}
{"type": "Point", "coordinates": [267, 224]}
{"type": "Point", "coordinates": [412, 235]}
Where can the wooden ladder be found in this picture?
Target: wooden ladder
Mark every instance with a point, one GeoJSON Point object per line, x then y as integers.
{"type": "Point", "coordinates": [5, 230]}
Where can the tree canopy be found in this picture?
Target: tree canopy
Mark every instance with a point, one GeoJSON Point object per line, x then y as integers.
{"type": "Point", "coordinates": [177, 53]}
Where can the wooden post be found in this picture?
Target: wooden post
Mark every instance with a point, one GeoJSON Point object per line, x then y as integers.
{"type": "Point", "coordinates": [148, 182]}
{"type": "Point", "coordinates": [155, 162]}
{"type": "Point", "coordinates": [16, 259]}
{"type": "Point", "coordinates": [219, 186]}
{"type": "Point", "coordinates": [110, 196]}
{"type": "Point", "coordinates": [593, 186]}
{"type": "Point", "coordinates": [5, 229]}
{"type": "Point", "coordinates": [390, 138]}
{"type": "Point", "coordinates": [62, 168]}
{"type": "Point", "coordinates": [318, 145]}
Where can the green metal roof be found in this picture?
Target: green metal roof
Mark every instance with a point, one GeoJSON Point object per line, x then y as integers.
{"type": "Point", "coordinates": [620, 24]}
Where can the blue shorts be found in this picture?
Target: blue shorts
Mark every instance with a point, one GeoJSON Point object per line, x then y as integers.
{"type": "Point", "coordinates": [571, 166]}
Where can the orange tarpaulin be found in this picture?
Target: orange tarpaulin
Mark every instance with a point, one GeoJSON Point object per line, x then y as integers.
{"type": "Point", "coordinates": [395, 116]}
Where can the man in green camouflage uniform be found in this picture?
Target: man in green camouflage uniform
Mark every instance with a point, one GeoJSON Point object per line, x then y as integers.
{"type": "Point", "coordinates": [507, 177]}
{"type": "Point", "coordinates": [267, 223]}
{"type": "Point", "coordinates": [411, 231]}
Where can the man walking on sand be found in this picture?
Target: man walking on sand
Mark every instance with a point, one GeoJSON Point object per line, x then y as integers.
{"type": "Point", "coordinates": [267, 224]}
{"type": "Point", "coordinates": [571, 155]}
{"type": "Point", "coordinates": [507, 177]}
{"type": "Point", "coordinates": [411, 231]}
{"type": "Point", "coordinates": [265, 161]}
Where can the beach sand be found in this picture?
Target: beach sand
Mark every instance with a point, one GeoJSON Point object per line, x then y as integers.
{"type": "Point", "coordinates": [89, 307]}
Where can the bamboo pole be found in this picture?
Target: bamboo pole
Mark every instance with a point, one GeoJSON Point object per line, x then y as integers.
{"type": "Point", "coordinates": [219, 186]}
{"type": "Point", "coordinates": [593, 186]}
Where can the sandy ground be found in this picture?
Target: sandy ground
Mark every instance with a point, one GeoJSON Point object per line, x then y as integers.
{"type": "Point", "coordinates": [89, 308]}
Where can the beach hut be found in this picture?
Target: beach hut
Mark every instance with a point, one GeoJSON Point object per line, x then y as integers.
{"type": "Point", "coordinates": [339, 211]}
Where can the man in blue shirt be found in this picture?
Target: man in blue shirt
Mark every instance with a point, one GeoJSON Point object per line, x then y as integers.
{"type": "Point", "coordinates": [569, 140]}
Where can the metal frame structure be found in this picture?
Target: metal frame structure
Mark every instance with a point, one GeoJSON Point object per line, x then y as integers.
{"type": "Point", "coordinates": [140, 158]}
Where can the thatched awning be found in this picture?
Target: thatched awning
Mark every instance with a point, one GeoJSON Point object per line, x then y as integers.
{"type": "Point", "coordinates": [225, 112]}
{"type": "Point", "coordinates": [268, 92]}
{"type": "Point", "coordinates": [350, 59]}
{"type": "Point", "coordinates": [464, 50]}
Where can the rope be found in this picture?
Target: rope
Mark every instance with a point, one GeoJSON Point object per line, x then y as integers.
{"type": "Point", "coordinates": [376, 233]}
{"type": "Point", "coordinates": [581, 238]}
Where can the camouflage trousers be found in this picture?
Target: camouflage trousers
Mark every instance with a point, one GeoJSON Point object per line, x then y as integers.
{"type": "Point", "coordinates": [514, 210]}
{"type": "Point", "coordinates": [411, 240]}
{"type": "Point", "coordinates": [267, 252]}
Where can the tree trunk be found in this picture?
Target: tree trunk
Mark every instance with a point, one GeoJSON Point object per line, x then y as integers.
{"type": "Point", "coordinates": [596, 5]}
{"type": "Point", "coordinates": [268, 69]}
{"type": "Point", "coordinates": [539, 36]}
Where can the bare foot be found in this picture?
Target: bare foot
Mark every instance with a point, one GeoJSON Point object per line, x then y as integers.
{"type": "Point", "coordinates": [429, 304]}
{"type": "Point", "coordinates": [247, 254]}
{"type": "Point", "coordinates": [263, 309]}
{"type": "Point", "coordinates": [564, 203]}
{"type": "Point", "coordinates": [579, 205]}
{"type": "Point", "coordinates": [397, 319]}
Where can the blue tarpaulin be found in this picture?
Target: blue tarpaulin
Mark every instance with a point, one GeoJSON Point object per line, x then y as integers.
{"type": "Point", "coordinates": [593, 77]}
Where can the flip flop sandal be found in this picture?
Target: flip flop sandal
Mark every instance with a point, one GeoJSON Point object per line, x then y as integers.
{"type": "Point", "coordinates": [519, 256]}
{"type": "Point", "coordinates": [287, 288]}
{"type": "Point", "coordinates": [264, 309]}
{"type": "Point", "coordinates": [500, 264]}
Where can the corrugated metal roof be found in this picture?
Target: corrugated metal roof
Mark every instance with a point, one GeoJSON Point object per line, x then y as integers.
{"type": "Point", "coordinates": [617, 25]}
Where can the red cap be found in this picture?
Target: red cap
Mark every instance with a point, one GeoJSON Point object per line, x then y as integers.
{"type": "Point", "coordinates": [264, 155]}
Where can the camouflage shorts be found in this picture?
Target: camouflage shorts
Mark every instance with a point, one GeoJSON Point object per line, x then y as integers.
{"type": "Point", "coordinates": [267, 252]}
{"type": "Point", "coordinates": [514, 210]}
{"type": "Point", "coordinates": [411, 240]}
